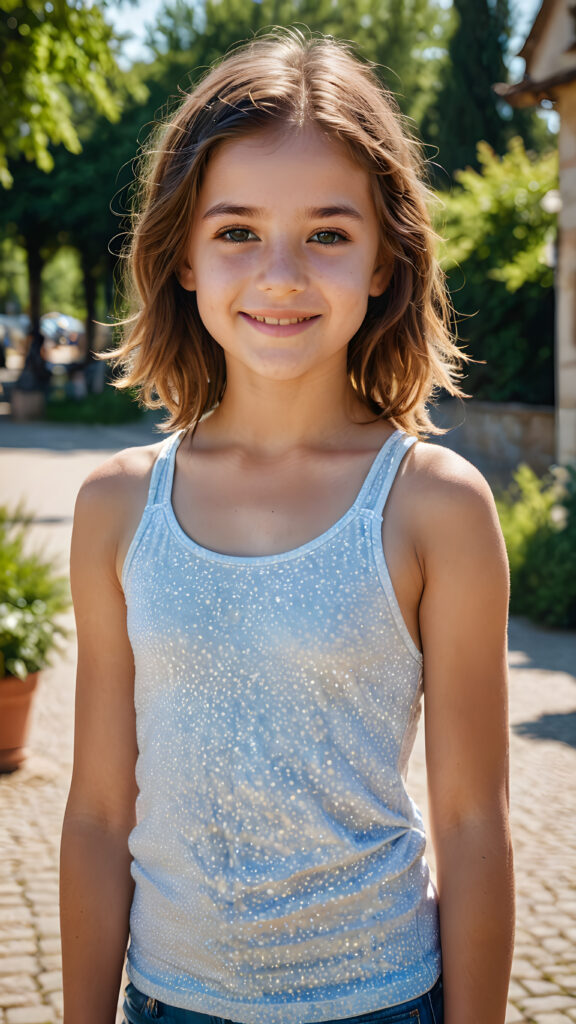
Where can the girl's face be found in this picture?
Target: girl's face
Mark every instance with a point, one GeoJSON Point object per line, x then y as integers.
{"type": "Point", "coordinates": [284, 252]}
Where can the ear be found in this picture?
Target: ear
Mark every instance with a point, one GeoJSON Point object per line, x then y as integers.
{"type": "Point", "coordinates": [381, 278]}
{"type": "Point", "coordinates": [186, 276]}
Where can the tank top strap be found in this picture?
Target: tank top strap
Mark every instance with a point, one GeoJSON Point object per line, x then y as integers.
{"type": "Point", "coordinates": [160, 488]}
{"type": "Point", "coordinates": [385, 468]}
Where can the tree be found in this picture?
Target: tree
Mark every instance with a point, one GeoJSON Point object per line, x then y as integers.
{"type": "Point", "coordinates": [50, 55]}
{"type": "Point", "coordinates": [497, 254]}
{"type": "Point", "coordinates": [32, 220]}
{"type": "Point", "coordinates": [406, 38]}
{"type": "Point", "coordinates": [467, 108]}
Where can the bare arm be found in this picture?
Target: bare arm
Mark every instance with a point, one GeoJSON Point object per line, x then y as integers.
{"type": "Point", "coordinates": [463, 619]}
{"type": "Point", "coordinates": [96, 886]}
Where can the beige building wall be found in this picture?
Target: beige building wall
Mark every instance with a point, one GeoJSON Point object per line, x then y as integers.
{"type": "Point", "coordinates": [566, 280]}
{"type": "Point", "coordinates": [550, 54]}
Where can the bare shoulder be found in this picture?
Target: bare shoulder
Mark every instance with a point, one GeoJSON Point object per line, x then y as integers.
{"type": "Point", "coordinates": [111, 501]}
{"type": "Point", "coordinates": [115, 480]}
{"type": "Point", "coordinates": [451, 503]}
{"type": "Point", "coordinates": [446, 475]}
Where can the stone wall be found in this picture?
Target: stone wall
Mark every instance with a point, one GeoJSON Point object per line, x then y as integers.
{"type": "Point", "coordinates": [496, 436]}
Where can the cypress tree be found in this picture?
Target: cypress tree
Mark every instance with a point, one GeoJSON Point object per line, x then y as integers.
{"type": "Point", "coordinates": [467, 109]}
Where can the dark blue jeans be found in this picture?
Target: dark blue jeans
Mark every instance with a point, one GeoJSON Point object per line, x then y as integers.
{"type": "Point", "coordinates": [426, 1009]}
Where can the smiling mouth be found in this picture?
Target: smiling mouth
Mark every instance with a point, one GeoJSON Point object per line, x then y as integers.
{"type": "Point", "coordinates": [280, 321]}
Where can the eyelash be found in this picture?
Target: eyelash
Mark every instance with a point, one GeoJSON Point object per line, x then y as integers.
{"type": "Point", "coordinates": [242, 241]}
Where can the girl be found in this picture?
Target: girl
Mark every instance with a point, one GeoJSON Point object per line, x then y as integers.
{"type": "Point", "coordinates": [262, 597]}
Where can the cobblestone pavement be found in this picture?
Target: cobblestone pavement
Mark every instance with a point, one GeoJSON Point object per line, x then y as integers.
{"type": "Point", "coordinates": [45, 465]}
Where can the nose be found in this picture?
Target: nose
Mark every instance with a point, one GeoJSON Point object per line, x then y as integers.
{"type": "Point", "coordinates": [282, 269]}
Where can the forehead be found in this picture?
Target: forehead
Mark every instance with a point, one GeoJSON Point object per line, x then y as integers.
{"type": "Point", "coordinates": [301, 166]}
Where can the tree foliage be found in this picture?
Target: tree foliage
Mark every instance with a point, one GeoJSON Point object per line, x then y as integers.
{"type": "Point", "coordinates": [467, 109]}
{"type": "Point", "coordinates": [538, 519]}
{"type": "Point", "coordinates": [497, 254]}
{"type": "Point", "coordinates": [441, 64]}
{"type": "Point", "coordinates": [407, 39]}
{"type": "Point", "coordinates": [51, 54]}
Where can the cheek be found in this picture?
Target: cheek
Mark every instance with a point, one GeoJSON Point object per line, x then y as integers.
{"type": "Point", "coordinates": [352, 275]}
{"type": "Point", "coordinates": [219, 273]}
{"type": "Point", "coordinates": [350, 290]}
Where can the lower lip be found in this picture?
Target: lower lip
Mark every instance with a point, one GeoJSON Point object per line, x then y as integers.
{"type": "Point", "coordinates": [279, 330]}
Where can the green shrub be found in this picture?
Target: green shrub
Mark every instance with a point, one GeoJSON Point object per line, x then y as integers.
{"type": "Point", "coordinates": [108, 408]}
{"type": "Point", "coordinates": [497, 253]}
{"type": "Point", "coordinates": [538, 518]}
{"type": "Point", "coordinates": [32, 596]}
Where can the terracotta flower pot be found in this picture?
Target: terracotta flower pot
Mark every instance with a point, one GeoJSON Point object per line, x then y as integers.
{"type": "Point", "coordinates": [15, 706]}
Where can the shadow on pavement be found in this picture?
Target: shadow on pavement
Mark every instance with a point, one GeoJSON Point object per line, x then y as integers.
{"type": "Point", "coordinates": [550, 650]}
{"type": "Point", "coordinates": [560, 727]}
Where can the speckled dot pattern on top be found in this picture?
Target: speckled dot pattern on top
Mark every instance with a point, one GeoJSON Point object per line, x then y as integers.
{"type": "Point", "coordinates": [278, 860]}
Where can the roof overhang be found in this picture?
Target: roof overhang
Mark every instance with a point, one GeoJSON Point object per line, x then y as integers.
{"type": "Point", "coordinates": [529, 93]}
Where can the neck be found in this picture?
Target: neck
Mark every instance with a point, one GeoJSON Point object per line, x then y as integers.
{"type": "Point", "coordinates": [272, 417]}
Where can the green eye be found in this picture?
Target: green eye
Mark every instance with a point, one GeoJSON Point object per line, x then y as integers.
{"type": "Point", "coordinates": [328, 237]}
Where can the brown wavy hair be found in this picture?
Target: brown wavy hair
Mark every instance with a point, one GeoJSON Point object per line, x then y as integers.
{"type": "Point", "coordinates": [403, 352]}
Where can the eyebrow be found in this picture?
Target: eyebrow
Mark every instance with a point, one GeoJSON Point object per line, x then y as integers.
{"type": "Point", "coordinates": [310, 213]}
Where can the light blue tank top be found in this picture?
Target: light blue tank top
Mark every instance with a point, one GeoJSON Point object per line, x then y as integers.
{"type": "Point", "coordinates": [278, 860]}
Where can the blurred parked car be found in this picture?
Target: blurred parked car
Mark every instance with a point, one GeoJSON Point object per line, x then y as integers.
{"type": "Point", "coordinates": [14, 330]}
{"type": "Point", "coordinates": [64, 339]}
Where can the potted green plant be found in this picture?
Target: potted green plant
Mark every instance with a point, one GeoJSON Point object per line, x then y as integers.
{"type": "Point", "coordinates": [32, 597]}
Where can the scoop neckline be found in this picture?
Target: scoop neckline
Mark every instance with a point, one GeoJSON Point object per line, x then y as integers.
{"type": "Point", "coordinates": [281, 556]}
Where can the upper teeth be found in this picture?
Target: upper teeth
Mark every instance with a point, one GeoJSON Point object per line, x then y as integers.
{"type": "Point", "coordinates": [273, 320]}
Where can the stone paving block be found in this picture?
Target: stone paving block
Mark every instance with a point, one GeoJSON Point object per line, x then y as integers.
{"type": "Point", "coordinates": [41, 900]}
{"type": "Point", "coordinates": [17, 965]}
{"type": "Point", "coordinates": [569, 907]}
{"type": "Point", "coordinates": [31, 1015]}
{"type": "Point", "coordinates": [17, 932]}
{"type": "Point", "coordinates": [545, 1004]}
{"type": "Point", "coordinates": [50, 946]}
{"type": "Point", "coordinates": [552, 1018]}
{"type": "Point", "coordinates": [558, 945]}
{"type": "Point", "coordinates": [537, 987]}
{"type": "Point", "coordinates": [513, 1015]}
{"type": "Point", "coordinates": [17, 983]}
{"type": "Point", "coordinates": [543, 931]}
{"type": "Point", "coordinates": [13, 999]}
{"type": "Point", "coordinates": [48, 927]}
{"type": "Point", "coordinates": [563, 922]}
{"type": "Point", "coordinates": [50, 981]}
{"type": "Point", "coordinates": [57, 1001]}
{"type": "Point", "coordinates": [15, 916]}
{"type": "Point", "coordinates": [15, 947]}
{"type": "Point", "coordinates": [535, 953]}
{"type": "Point", "coordinates": [52, 962]}
{"type": "Point", "coordinates": [524, 969]}
{"type": "Point", "coordinates": [567, 981]}
{"type": "Point", "coordinates": [516, 991]}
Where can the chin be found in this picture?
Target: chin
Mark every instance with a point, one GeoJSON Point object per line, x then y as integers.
{"type": "Point", "coordinates": [279, 370]}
